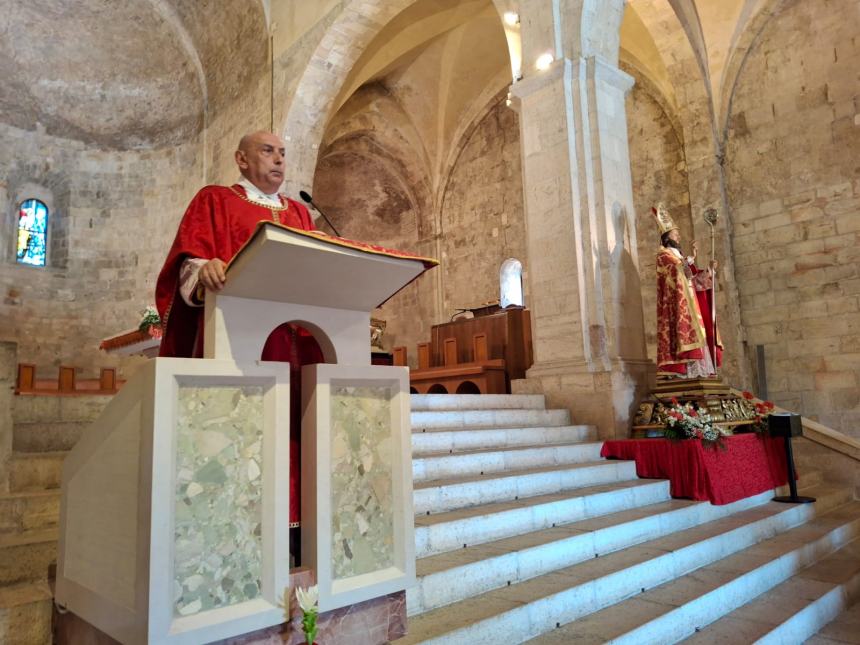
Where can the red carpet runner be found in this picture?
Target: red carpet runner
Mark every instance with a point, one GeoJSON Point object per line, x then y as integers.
{"type": "Point", "coordinates": [751, 464]}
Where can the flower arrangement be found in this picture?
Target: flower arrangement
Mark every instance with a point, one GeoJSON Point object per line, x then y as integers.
{"type": "Point", "coordinates": [150, 319]}
{"type": "Point", "coordinates": [308, 601]}
{"type": "Point", "coordinates": [684, 421]}
{"type": "Point", "coordinates": [762, 411]}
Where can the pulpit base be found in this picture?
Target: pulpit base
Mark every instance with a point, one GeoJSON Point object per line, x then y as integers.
{"type": "Point", "coordinates": [371, 622]}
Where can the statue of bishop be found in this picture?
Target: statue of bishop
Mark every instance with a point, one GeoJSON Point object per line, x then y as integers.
{"type": "Point", "coordinates": [688, 342]}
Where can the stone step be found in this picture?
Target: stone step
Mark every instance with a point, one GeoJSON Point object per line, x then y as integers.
{"type": "Point", "coordinates": [453, 530]}
{"type": "Point", "coordinates": [439, 441]}
{"type": "Point", "coordinates": [796, 609]}
{"type": "Point", "coordinates": [30, 471]}
{"type": "Point", "coordinates": [47, 437]}
{"type": "Point", "coordinates": [674, 610]}
{"type": "Point", "coordinates": [486, 461]}
{"type": "Point", "coordinates": [845, 628]}
{"type": "Point", "coordinates": [456, 419]}
{"type": "Point", "coordinates": [27, 556]}
{"type": "Point", "coordinates": [422, 402]}
{"type": "Point", "coordinates": [524, 610]}
{"type": "Point", "coordinates": [28, 510]}
{"type": "Point", "coordinates": [442, 495]}
{"type": "Point", "coordinates": [450, 577]}
{"type": "Point", "coordinates": [65, 408]}
{"type": "Point", "coordinates": [25, 614]}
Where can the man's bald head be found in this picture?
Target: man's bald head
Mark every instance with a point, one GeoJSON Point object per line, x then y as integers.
{"type": "Point", "coordinates": [260, 157]}
{"type": "Point", "coordinates": [259, 137]}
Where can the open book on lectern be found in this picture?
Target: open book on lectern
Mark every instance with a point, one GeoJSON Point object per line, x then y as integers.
{"type": "Point", "coordinates": [284, 264]}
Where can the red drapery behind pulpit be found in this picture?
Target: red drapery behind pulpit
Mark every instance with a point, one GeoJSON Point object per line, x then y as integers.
{"type": "Point", "coordinates": [297, 346]}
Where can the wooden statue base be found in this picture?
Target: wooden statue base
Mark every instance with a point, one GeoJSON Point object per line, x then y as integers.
{"type": "Point", "coordinates": [677, 388]}
{"type": "Point", "coordinates": [729, 411]}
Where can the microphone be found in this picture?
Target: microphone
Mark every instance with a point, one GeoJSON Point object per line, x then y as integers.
{"type": "Point", "coordinates": [310, 200]}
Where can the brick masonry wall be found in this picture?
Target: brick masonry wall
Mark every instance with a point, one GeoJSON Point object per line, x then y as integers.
{"type": "Point", "coordinates": [794, 187]}
{"type": "Point", "coordinates": [114, 216]}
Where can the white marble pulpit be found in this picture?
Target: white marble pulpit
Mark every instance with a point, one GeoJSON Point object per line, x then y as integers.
{"type": "Point", "coordinates": [175, 503]}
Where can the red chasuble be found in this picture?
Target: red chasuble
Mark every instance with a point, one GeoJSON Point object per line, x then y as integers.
{"type": "Point", "coordinates": [681, 335]}
{"type": "Point", "coordinates": [218, 222]}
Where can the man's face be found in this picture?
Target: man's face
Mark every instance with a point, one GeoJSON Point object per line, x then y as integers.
{"type": "Point", "coordinates": [261, 161]}
{"type": "Point", "coordinates": [675, 236]}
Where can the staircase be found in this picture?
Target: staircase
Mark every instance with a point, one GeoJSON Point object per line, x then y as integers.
{"type": "Point", "coordinates": [45, 429]}
{"type": "Point", "coordinates": [523, 534]}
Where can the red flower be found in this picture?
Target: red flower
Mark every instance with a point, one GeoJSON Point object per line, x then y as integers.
{"type": "Point", "coordinates": [748, 395]}
{"type": "Point", "coordinates": [674, 401]}
{"type": "Point", "coordinates": [769, 405]}
{"type": "Point", "coordinates": [676, 415]}
{"type": "Point", "coordinates": [694, 414]}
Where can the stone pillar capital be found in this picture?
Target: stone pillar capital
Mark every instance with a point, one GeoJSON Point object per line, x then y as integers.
{"type": "Point", "coordinates": [600, 70]}
{"type": "Point", "coordinates": [595, 68]}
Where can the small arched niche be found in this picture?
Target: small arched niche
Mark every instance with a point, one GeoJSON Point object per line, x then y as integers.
{"type": "Point", "coordinates": [511, 284]}
{"type": "Point", "coordinates": [467, 387]}
{"type": "Point", "coordinates": [300, 339]}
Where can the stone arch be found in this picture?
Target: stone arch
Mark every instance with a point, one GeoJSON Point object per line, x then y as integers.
{"type": "Point", "coordinates": [469, 125]}
{"type": "Point", "coordinates": [744, 44]}
{"type": "Point", "coordinates": [343, 43]}
{"type": "Point", "coordinates": [328, 68]}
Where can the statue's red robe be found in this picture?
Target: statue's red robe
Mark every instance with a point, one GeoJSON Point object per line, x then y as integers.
{"type": "Point", "coordinates": [684, 324]}
{"type": "Point", "coordinates": [218, 222]}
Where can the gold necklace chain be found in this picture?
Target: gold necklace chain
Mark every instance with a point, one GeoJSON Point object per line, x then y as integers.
{"type": "Point", "coordinates": [274, 210]}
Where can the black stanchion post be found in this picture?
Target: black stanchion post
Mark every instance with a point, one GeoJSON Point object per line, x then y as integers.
{"type": "Point", "coordinates": [788, 425]}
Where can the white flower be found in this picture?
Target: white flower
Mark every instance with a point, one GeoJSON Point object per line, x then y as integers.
{"type": "Point", "coordinates": [308, 598]}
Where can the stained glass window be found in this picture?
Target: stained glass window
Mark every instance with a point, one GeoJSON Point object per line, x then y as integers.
{"type": "Point", "coordinates": [32, 233]}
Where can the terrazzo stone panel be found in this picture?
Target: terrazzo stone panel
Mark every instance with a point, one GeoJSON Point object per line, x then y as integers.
{"type": "Point", "coordinates": [218, 497]}
{"type": "Point", "coordinates": [361, 480]}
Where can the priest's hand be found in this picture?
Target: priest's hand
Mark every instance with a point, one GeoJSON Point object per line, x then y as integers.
{"type": "Point", "coordinates": [213, 274]}
{"type": "Point", "coordinates": [695, 247]}
{"type": "Point", "coordinates": [714, 265]}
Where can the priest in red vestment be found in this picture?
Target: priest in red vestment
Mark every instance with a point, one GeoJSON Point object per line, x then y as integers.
{"type": "Point", "coordinates": [219, 220]}
{"type": "Point", "coordinates": [688, 345]}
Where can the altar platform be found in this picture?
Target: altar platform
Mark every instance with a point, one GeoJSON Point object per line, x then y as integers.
{"type": "Point", "coordinates": [749, 465]}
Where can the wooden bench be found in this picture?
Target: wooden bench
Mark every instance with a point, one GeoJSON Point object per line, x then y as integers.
{"type": "Point", "coordinates": [479, 376]}
{"type": "Point", "coordinates": [66, 383]}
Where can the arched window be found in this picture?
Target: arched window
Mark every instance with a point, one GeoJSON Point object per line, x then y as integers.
{"type": "Point", "coordinates": [511, 284]}
{"type": "Point", "coordinates": [32, 233]}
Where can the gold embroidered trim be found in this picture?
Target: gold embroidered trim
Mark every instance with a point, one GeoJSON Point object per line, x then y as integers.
{"type": "Point", "coordinates": [273, 209]}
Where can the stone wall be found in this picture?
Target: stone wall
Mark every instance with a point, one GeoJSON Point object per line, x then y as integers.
{"type": "Point", "coordinates": [374, 187]}
{"type": "Point", "coordinates": [659, 174]}
{"type": "Point", "coordinates": [794, 188]}
{"type": "Point", "coordinates": [113, 218]}
{"type": "Point", "coordinates": [482, 221]}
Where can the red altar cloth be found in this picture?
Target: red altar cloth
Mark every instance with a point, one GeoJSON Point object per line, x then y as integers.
{"type": "Point", "coordinates": [750, 465]}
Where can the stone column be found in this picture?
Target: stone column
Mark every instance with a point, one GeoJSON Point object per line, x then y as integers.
{"type": "Point", "coordinates": [589, 342]}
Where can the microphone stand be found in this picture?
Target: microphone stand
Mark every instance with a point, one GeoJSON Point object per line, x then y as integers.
{"type": "Point", "coordinates": [309, 200]}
